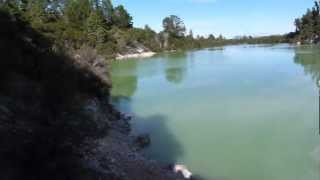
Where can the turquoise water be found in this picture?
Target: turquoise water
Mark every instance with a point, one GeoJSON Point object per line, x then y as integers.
{"type": "Point", "coordinates": [233, 113]}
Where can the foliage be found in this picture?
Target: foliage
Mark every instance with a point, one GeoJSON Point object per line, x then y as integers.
{"type": "Point", "coordinates": [96, 23]}
{"type": "Point", "coordinates": [308, 26]}
{"type": "Point", "coordinates": [174, 26]}
{"type": "Point", "coordinates": [74, 23]}
{"type": "Point", "coordinates": [96, 28]}
{"type": "Point", "coordinates": [121, 17]}
{"type": "Point", "coordinates": [77, 12]}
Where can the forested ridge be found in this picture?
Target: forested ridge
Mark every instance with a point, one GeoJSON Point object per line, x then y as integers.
{"type": "Point", "coordinates": [308, 26]}
{"type": "Point", "coordinates": [97, 23]}
{"type": "Point", "coordinates": [110, 30]}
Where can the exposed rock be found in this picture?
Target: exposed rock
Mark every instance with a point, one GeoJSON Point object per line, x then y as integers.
{"type": "Point", "coordinates": [126, 117]}
{"type": "Point", "coordinates": [143, 141]}
{"type": "Point", "coordinates": [88, 57]}
{"type": "Point", "coordinates": [135, 55]}
{"type": "Point", "coordinates": [178, 168]}
{"type": "Point", "coordinates": [135, 51]}
{"type": "Point", "coordinates": [118, 156]}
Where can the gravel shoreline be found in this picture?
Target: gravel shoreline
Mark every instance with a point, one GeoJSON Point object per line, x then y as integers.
{"type": "Point", "coordinates": [120, 158]}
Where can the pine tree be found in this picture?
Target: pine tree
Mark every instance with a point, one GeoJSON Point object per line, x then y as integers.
{"type": "Point", "coordinates": [77, 12]}
{"type": "Point", "coordinates": [35, 12]}
{"type": "Point", "coordinates": [121, 18]}
{"type": "Point", "coordinates": [107, 10]}
{"type": "Point", "coordinates": [174, 26]}
{"type": "Point", "coordinates": [96, 28]}
{"type": "Point", "coordinates": [308, 26]}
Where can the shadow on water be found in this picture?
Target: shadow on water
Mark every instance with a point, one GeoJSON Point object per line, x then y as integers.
{"type": "Point", "coordinates": [176, 67]}
{"type": "Point", "coordinates": [164, 145]}
{"type": "Point", "coordinates": [174, 75]}
{"type": "Point", "coordinates": [309, 58]}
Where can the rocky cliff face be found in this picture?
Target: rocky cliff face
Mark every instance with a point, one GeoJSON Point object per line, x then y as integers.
{"type": "Point", "coordinates": [45, 126]}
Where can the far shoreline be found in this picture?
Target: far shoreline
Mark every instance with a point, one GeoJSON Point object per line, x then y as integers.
{"type": "Point", "coordinates": [149, 54]}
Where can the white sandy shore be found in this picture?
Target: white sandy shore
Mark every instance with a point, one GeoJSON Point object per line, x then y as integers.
{"type": "Point", "coordinates": [135, 55]}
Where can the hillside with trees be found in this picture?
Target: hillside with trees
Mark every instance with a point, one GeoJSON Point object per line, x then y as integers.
{"type": "Point", "coordinates": [56, 122]}
{"type": "Point", "coordinates": [98, 24]}
{"type": "Point", "coordinates": [308, 26]}
{"type": "Point", "coordinates": [73, 24]}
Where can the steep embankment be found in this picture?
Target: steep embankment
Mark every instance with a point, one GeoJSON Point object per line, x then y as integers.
{"type": "Point", "coordinates": [55, 118]}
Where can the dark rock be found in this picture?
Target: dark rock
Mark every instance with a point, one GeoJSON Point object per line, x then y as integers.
{"type": "Point", "coordinates": [143, 141]}
{"type": "Point", "coordinates": [126, 117]}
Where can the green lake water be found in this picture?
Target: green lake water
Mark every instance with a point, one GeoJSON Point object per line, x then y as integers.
{"type": "Point", "coordinates": [234, 113]}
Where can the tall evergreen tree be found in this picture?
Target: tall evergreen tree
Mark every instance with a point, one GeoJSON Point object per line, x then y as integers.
{"type": "Point", "coordinates": [190, 34]}
{"type": "Point", "coordinates": [77, 12]}
{"type": "Point", "coordinates": [35, 12]}
{"type": "Point", "coordinates": [308, 26]}
{"type": "Point", "coordinates": [174, 26]}
{"type": "Point", "coordinates": [107, 10]}
{"type": "Point", "coordinates": [96, 28]}
{"type": "Point", "coordinates": [121, 18]}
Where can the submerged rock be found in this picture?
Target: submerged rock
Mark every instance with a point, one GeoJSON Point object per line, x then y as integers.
{"type": "Point", "coordinates": [143, 141]}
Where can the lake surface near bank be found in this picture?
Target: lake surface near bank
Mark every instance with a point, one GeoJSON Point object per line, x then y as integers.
{"type": "Point", "coordinates": [246, 112]}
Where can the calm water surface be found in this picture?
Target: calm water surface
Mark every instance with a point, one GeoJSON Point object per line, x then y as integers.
{"type": "Point", "coordinates": [237, 113]}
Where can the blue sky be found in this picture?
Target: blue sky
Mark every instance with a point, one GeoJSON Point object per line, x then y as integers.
{"type": "Point", "coordinates": [227, 17]}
